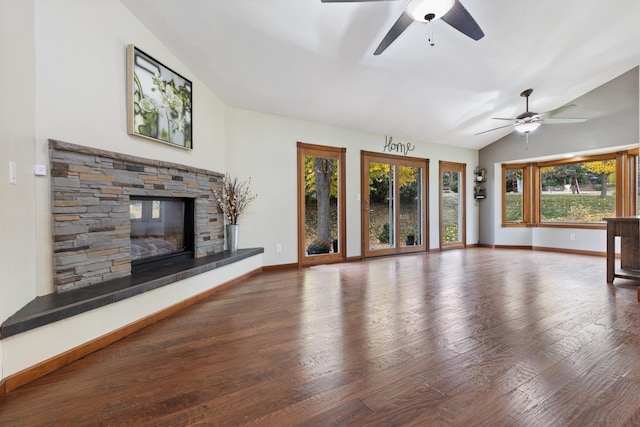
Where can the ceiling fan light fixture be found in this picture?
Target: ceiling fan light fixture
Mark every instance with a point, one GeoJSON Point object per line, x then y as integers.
{"type": "Point", "coordinates": [526, 127]}
{"type": "Point", "coordinates": [428, 10]}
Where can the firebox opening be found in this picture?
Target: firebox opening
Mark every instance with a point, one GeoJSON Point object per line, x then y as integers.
{"type": "Point", "coordinates": [161, 229]}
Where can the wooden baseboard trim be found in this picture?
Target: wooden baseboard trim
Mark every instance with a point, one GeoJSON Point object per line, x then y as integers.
{"type": "Point", "coordinates": [280, 267]}
{"type": "Point", "coordinates": [486, 245]}
{"type": "Point", "coordinates": [513, 247]}
{"type": "Point", "coordinates": [570, 251]}
{"type": "Point", "coordinates": [550, 249]}
{"type": "Point", "coordinates": [32, 373]}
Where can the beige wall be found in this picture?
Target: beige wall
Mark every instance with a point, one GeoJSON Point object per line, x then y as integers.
{"type": "Point", "coordinates": [17, 109]}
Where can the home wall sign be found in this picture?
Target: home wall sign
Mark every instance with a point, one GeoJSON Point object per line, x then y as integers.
{"type": "Point", "coordinates": [159, 101]}
{"type": "Point", "coordinates": [397, 147]}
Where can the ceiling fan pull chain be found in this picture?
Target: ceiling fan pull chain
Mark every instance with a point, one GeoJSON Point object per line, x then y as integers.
{"type": "Point", "coordinates": [430, 32]}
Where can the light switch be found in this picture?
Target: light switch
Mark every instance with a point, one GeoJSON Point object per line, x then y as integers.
{"type": "Point", "coordinates": [40, 170]}
{"type": "Point", "coordinates": [13, 176]}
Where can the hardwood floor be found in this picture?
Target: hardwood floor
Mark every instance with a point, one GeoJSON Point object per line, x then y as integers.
{"type": "Point", "coordinates": [494, 337]}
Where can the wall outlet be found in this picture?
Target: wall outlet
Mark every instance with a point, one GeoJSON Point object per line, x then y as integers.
{"type": "Point", "coordinates": [572, 236]}
{"type": "Point", "coordinates": [278, 247]}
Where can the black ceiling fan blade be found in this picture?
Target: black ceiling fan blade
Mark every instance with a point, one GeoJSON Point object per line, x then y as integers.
{"type": "Point", "coordinates": [559, 110]}
{"type": "Point", "coordinates": [398, 28]}
{"type": "Point", "coordinates": [490, 130]}
{"type": "Point", "coordinates": [350, 1]}
{"type": "Point", "coordinates": [460, 19]}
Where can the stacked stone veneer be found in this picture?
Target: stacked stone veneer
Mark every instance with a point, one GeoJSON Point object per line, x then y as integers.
{"type": "Point", "coordinates": [90, 191]}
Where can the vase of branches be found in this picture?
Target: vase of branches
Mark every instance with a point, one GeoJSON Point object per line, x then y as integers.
{"type": "Point", "coordinates": [233, 201]}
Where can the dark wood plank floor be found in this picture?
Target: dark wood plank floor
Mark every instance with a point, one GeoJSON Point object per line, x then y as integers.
{"type": "Point", "coordinates": [457, 338]}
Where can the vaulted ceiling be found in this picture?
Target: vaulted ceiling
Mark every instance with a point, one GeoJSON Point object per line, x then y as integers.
{"type": "Point", "coordinates": [311, 60]}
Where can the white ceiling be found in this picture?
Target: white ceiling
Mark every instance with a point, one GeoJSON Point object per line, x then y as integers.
{"type": "Point", "coordinates": [311, 60]}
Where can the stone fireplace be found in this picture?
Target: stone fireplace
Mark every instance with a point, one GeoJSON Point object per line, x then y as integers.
{"type": "Point", "coordinates": [111, 212]}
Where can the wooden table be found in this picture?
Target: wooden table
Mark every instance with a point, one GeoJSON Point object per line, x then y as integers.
{"type": "Point", "coordinates": [628, 228]}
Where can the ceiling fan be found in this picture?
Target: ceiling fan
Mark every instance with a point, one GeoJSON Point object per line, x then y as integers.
{"type": "Point", "coordinates": [450, 11]}
{"type": "Point", "coordinates": [529, 121]}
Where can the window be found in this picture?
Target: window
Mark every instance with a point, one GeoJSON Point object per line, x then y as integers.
{"type": "Point", "coordinates": [579, 191]}
{"type": "Point", "coordinates": [515, 194]}
{"type": "Point", "coordinates": [452, 205]}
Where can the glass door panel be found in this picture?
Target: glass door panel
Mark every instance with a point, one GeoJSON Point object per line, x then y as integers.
{"type": "Point", "coordinates": [410, 219]}
{"type": "Point", "coordinates": [321, 205]}
{"type": "Point", "coordinates": [394, 204]}
{"type": "Point", "coordinates": [381, 206]}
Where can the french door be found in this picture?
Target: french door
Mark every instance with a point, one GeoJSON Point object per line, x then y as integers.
{"type": "Point", "coordinates": [394, 204]}
{"type": "Point", "coordinates": [452, 205]}
{"type": "Point", "coordinates": [321, 204]}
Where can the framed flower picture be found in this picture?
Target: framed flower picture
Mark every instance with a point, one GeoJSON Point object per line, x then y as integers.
{"type": "Point", "coordinates": [159, 101]}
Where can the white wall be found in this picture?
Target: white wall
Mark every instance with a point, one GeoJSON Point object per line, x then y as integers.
{"type": "Point", "coordinates": [17, 109]}
{"type": "Point", "coordinates": [263, 147]}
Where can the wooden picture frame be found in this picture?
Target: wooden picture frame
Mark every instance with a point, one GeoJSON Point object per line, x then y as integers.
{"type": "Point", "coordinates": [159, 101]}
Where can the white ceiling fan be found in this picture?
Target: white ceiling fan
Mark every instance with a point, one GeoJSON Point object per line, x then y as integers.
{"type": "Point", "coordinates": [450, 11]}
{"type": "Point", "coordinates": [529, 121]}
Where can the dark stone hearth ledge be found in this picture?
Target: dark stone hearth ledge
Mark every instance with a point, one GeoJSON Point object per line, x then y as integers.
{"type": "Point", "coordinates": [54, 307]}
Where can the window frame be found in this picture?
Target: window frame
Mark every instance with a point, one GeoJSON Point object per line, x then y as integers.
{"type": "Point", "coordinates": [626, 188]}
{"type": "Point", "coordinates": [526, 185]}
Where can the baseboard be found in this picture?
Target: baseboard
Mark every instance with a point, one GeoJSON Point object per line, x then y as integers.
{"type": "Point", "coordinates": [32, 373]}
{"type": "Point", "coordinates": [279, 267]}
{"type": "Point", "coordinates": [551, 249]}
{"type": "Point", "coordinates": [513, 247]}
{"type": "Point", "coordinates": [570, 251]}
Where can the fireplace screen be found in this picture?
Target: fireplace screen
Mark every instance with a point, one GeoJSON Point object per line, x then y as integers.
{"type": "Point", "coordinates": [160, 227]}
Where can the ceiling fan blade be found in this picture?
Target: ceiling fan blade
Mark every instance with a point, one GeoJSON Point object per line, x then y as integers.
{"type": "Point", "coordinates": [398, 28]}
{"type": "Point", "coordinates": [560, 120]}
{"type": "Point", "coordinates": [503, 118]}
{"type": "Point", "coordinates": [559, 110]}
{"type": "Point", "coordinates": [461, 20]}
{"type": "Point", "coordinates": [350, 1]}
{"type": "Point", "coordinates": [490, 130]}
